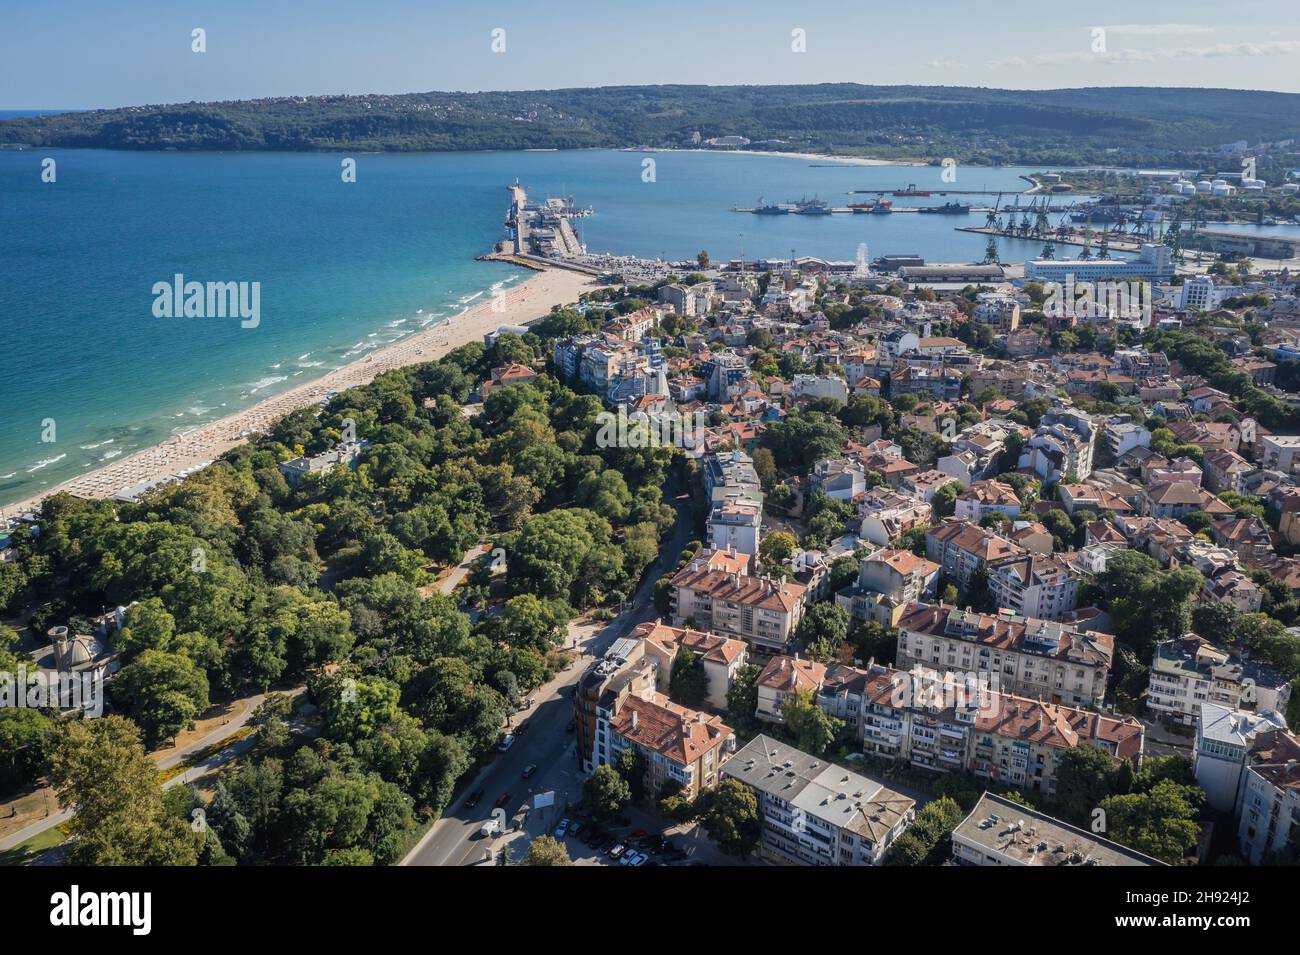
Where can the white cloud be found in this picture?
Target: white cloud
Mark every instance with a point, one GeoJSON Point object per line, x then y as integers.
{"type": "Point", "coordinates": [1157, 29]}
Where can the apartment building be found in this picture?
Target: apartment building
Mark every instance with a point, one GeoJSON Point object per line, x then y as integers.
{"type": "Point", "coordinates": [1035, 585]}
{"type": "Point", "coordinates": [623, 671]}
{"type": "Point", "coordinates": [840, 479]}
{"type": "Point", "coordinates": [782, 678]}
{"type": "Point", "coordinates": [999, 311]}
{"type": "Point", "coordinates": [1269, 826]}
{"type": "Point", "coordinates": [984, 497]}
{"type": "Point", "coordinates": [887, 514]}
{"type": "Point", "coordinates": [960, 548]}
{"type": "Point", "coordinates": [731, 474]}
{"type": "Point", "coordinates": [999, 832]}
{"type": "Point", "coordinates": [1226, 471]}
{"type": "Point", "coordinates": [815, 812]}
{"type": "Point", "coordinates": [1188, 671]}
{"type": "Point", "coordinates": [1038, 659]}
{"type": "Point", "coordinates": [1177, 499]}
{"type": "Point", "coordinates": [736, 524]}
{"type": "Point", "coordinates": [762, 611]}
{"type": "Point", "coordinates": [888, 581]}
{"type": "Point", "coordinates": [721, 657]}
{"type": "Point", "coordinates": [678, 745]}
{"type": "Point", "coordinates": [1224, 737]}
{"type": "Point", "coordinates": [1280, 452]}
{"type": "Point", "coordinates": [1062, 445]}
{"type": "Point", "coordinates": [813, 387]}
{"type": "Point", "coordinates": [946, 721]}
{"type": "Point", "coordinates": [1122, 437]}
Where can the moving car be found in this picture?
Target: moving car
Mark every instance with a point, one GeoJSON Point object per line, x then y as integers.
{"type": "Point", "coordinates": [507, 742]}
{"type": "Point", "coordinates": [474, 799]}
{"type": "Point", "coordinates": [502, 800]}
{"type": "Point", "coordinates": [529, 770]}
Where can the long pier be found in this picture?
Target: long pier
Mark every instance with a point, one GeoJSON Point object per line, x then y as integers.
{"type": "Point", "coordinates": [1114, 243]}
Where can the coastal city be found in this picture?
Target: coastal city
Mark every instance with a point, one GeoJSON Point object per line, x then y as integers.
{"type": "Point", "coordinates": [773, 478]}
{"type": "Point", "coordinates": [916, 563]}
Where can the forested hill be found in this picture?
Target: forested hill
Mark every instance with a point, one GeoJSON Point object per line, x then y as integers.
{"type": "Point", "coordinates": [1137, 125]}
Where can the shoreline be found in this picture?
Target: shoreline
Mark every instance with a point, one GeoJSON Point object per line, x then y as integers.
{"type": "Point", "coordinates": [527, 301]}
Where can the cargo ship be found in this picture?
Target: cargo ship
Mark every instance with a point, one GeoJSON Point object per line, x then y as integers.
{"type": "Point", "coordinates": [948, 209]}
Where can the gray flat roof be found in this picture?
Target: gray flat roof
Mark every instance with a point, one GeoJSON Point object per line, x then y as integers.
{"type": "Point", "coordinates": [1034, 838]}
{"type": "Point", "coordinates": [818, 787]}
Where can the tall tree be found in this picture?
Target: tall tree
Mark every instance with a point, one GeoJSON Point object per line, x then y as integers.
{"type": "Point", "coordinates": [100, 771]}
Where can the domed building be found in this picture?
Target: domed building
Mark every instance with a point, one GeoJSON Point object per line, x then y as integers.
{"type": "Point", "coordinates": [75, 652]}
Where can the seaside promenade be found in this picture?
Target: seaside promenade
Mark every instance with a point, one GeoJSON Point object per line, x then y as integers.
{"type": "Point", "coordinates": [526, 302]}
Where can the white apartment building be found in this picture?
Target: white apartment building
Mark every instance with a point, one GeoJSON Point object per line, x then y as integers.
{"type": "Point", "coordinates": [999, 832]}
{"type": "Point", "coordinates": [1280, 452]}
{"type": "Point", "coordinates": [1062, 445]}
{"type": "Point", "coordinates": [820, 386]}
{"type": "Point", "coordinates": [1202, 293]}
{"type": "Point", "coordinates": [1269, 804]}
{"type": "Point", "coordinates": [735, 524]}
{"type": "Point", "coordinates": [1188, 671]}
{"type": "Point", "coordinates": [815, 812]}
{"type": "Point", "coordinates": [1223, 739]}
{"type": "Point", "coordinates": [1035, 585]}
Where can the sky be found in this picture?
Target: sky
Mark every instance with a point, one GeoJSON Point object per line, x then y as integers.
{"type": "Point", "coordinates": [92, 53]}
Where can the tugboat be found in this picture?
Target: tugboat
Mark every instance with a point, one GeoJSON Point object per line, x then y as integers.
{"type": "Point", "coordinates": [883, 207]}
{"type": "Point", "coordinates": [948, 209]}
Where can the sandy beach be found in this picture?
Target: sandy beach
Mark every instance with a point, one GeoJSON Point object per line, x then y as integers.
{"type": "Point", "coordinates": [529, 300]}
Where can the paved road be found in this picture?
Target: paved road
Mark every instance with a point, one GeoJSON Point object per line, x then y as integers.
{"type": "Point", "coordinates": [453, 839]}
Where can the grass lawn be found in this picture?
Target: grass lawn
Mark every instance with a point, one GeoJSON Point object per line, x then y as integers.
{"type": "Point", "coordinates": [21, 853]}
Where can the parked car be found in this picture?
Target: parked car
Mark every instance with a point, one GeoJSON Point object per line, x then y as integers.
{"type": "Point", "coordinates": [641, 859]}
{"type": "Point", "coordinates": [529, 770]}
{"type": "Point", "coordinates": [502, 800]}
{"type": "Point", "coordinates": [562, 828]}
{"type": "Point", "coordinates": [629, 857]}
{"type": "Point", "coordinates": [507, 742]}
{"type": "Point", "coordinates": [474, 799]}
{"type": "Point", "coordinates": [617, 851]}
{"type": "Point", "coordinates": [575, 828]}
{"type": "Point", "coordinates": [638, 834]}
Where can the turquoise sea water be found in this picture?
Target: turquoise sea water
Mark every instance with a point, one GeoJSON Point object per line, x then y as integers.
{"type": "Point", "coordinates": [343, 268]}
